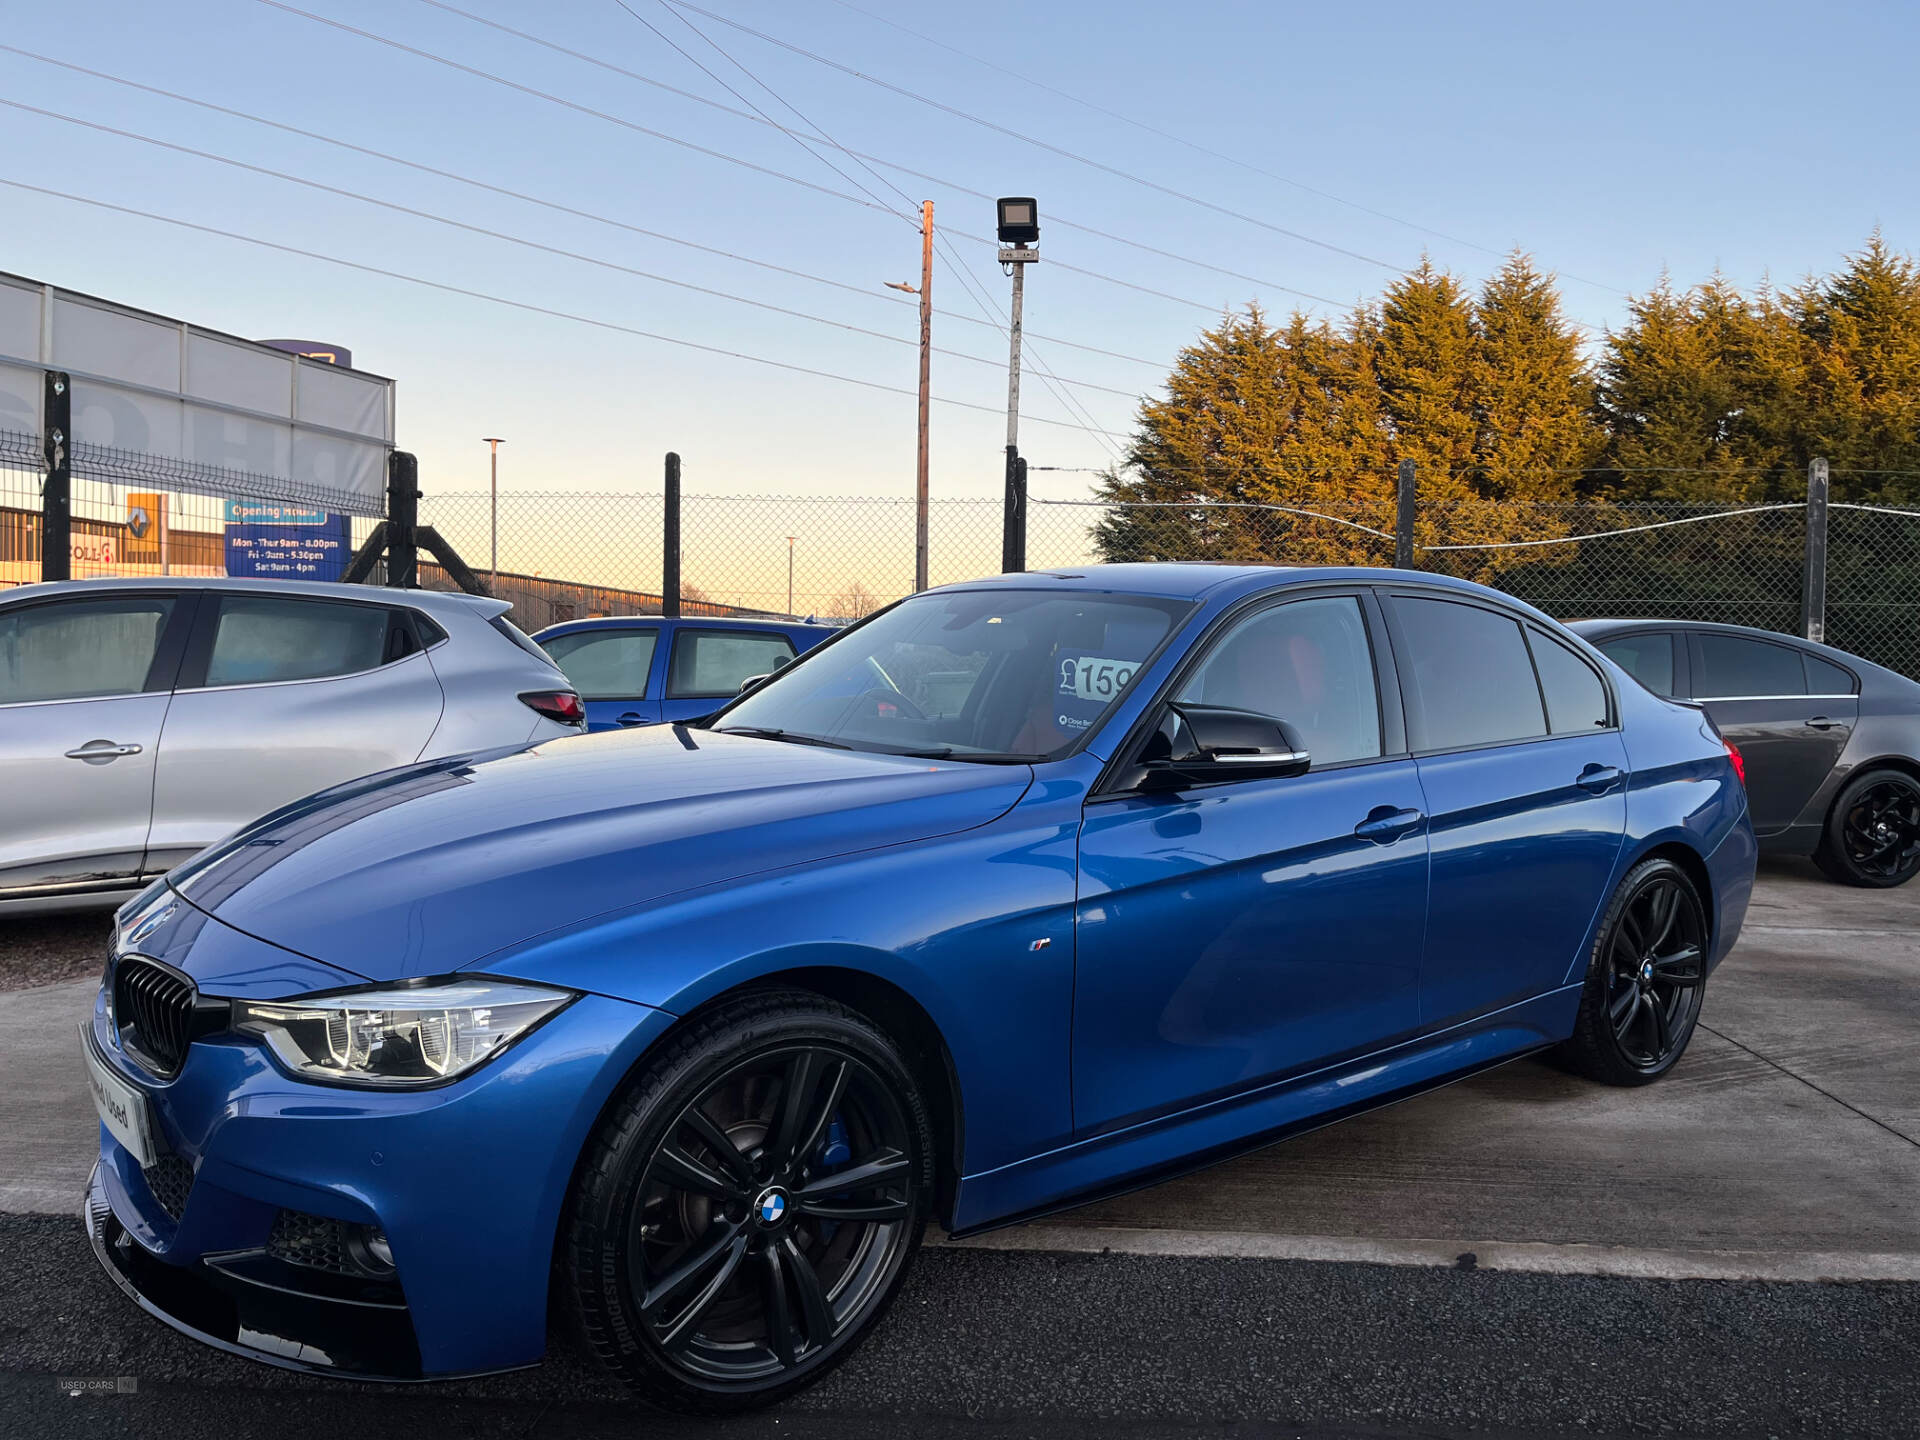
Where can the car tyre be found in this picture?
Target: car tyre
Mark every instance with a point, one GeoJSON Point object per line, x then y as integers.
{"type": "Point", "coordinates": [1645, 979]}
{"type": "Point", "coordinates": [713, 1282]}
{"type": "Point", "coordinates": [1872, 835]}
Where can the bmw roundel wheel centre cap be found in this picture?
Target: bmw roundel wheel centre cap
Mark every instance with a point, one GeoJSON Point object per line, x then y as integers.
{"type": "Point", "coordinates": [771, 1208]}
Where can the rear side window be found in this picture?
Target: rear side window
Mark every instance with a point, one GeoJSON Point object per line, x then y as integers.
{"type": "Point", "coordinates": [1471, 679]}
{"type": "Point", "coordinates": [79, 649]}
{"type": "Point", "coordinates": [709, 663]}
{"type": "Point", "coordinates": [1824, 678]}
{"type": "Point", "coordinates": [263, 639]}
{"type": "Point", "coordinates": [1732, 666]}
{"type": "Point", "coordinates": [606, 664]}
{"type": "Point", "coordinates": [1647, 658]}
{"type": "Point", "coordinates": [1576, 696]}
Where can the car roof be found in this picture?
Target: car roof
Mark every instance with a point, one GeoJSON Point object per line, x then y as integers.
{"type": "Point", "coordinates": [441, 602]}
{"type": "Point", "coordinates": [698, 622]}
{"type": "Point", "coordinates": [1597, 630]}
{"type": "Point", "coordinates": [1200, 579]}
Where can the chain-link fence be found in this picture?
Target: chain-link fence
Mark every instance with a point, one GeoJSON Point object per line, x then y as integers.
{"type": "Point", "coordinates": [564, 556]}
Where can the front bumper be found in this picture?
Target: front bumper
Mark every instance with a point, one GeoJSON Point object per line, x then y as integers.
{"type": "Point", "coordinates": [466, 1180]}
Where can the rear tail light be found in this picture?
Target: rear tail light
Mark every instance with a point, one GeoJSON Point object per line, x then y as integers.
{"type": "Point", "coordinates": [561, 705]}
{"type": "Point", "coordinates": [1739, 763]}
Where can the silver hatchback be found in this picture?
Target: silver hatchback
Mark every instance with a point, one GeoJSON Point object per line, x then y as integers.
{"type": "Point", "coordinates": [142, 720]}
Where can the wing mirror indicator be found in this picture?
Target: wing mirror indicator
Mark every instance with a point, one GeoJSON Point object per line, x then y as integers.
{"type": "Point", "coordinates": [1205, 744]}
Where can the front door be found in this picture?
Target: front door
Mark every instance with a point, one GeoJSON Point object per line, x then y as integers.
{"type": "Point", "coordinates": [612, 668]}
{"type": "Point", "coordinates": [1230, 935]}
{"type": "Point", "coordinates": [1790, 714]}
{"type": "Point", "coordinates": [84, 687]}
{"type": "Point", "coordinates": [1525, 777]}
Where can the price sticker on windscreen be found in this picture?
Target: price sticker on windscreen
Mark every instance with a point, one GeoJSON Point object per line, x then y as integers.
{"type": "Point", "coordinates": [1092, 678]}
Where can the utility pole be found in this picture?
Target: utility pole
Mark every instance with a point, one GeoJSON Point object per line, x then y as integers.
{"type": "Point", "coordinates": [790, 577]}
{"type": "Point", "coordinates": [925, 292]}
{"type": "Point", "coordinates": [1019, 231]}
{"type": "Point", "coordinates": [493, 514]}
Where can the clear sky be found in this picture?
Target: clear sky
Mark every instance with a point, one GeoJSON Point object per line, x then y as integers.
{"type": "Point", "coordinates": [1608, 141]}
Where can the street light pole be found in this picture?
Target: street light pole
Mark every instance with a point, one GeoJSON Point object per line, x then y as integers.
{"type": "Point", "coordinates": [1019, 232]}
{"type": "Point", "coordinates": [920, 487]}
{"type": "Point", "coordinates": [790, 577]}
{"type": "Point", "coordinates": [493, 510]}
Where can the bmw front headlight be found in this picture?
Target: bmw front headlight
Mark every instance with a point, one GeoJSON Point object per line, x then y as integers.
{"type": "Point", "coordinates": [397, 1035]}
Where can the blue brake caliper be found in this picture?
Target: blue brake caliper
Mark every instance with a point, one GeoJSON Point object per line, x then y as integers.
{"type": "Point", "coordinates": [835, 1153]}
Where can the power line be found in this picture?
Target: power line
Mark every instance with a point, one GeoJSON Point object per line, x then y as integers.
{"type": "Point", "coordinates": [512, 304]}
{"type": "Point", "coordinates": [1008, 131]}
{"type": "Point", "coordinates": [761, 119]}
{"type": "Point", "coordinates": [865, 292]}
{"type": "Point", "coordinates": [1195, 145]}
{"type": "Point", "coordinates": [1072, 406]}
{"type": "Point", "coordinates": [511, 239]}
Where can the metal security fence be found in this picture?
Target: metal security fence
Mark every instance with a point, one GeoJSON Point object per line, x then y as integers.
{"type": "Point", "coordinates": [567, 556]}
{"type": "Point", "coordinates": [129, 514]}
{"type": "Point", "coordinates": [562, 555]}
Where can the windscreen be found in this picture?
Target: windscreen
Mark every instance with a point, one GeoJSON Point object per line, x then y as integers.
{"type": "Point", "coordinates": [975, 675]}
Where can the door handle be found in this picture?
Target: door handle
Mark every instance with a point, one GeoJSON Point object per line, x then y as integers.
{"type": "Point", "coordinates": [1822, 722]}
{"type": "Point", "coordinates": [1600, 778]}
{"type": "Point", "coordinates": [1384, 824]}
{"type": "Point", "coordinates": [632, 718]}
{"type": "Point", "coordinates": [102, 750]}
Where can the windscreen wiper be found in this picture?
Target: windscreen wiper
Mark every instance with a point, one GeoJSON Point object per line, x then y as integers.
{"type": "Point", "coordinates": [762, 733]}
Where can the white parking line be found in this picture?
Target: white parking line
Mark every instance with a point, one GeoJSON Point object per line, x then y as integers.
{"type": "Point", "coordinates": [1628, 1261]}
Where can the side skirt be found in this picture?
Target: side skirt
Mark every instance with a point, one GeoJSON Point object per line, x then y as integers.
{"type": "Point", "coordinates": [1147, 1154]}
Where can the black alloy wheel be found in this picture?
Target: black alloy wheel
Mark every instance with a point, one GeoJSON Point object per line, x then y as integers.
{"type": "Point", "coordinates": [1645, 979]}
{"type": "Point", "coordinates": [1873, 833]}
{"type": "Point", "coordinates": [751, 1205]}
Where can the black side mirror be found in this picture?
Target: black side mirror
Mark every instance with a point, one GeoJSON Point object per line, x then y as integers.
{"type": "Point", "coordinates": [1205, 744]}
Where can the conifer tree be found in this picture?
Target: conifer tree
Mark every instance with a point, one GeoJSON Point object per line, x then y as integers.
{"type": "Point", "coordinates": [1532, 394]}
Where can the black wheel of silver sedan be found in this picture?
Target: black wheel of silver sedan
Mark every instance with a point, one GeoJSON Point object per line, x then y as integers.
{"type": "Point", "coordinates": [1645, 979]}
{"type": "Point", "coordinates": [750, 1205]}
{"type": "Point", "coordinates": [1872, 837]}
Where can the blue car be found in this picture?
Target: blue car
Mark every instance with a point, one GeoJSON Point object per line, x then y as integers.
{"type": "Point", "coordinates": [1016, 894]}
{"type": "Point", "coordinates": [647, 669]}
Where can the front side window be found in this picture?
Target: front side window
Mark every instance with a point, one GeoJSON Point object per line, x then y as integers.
{"type": "Point", "coordinates": [1734, 667]}
{"type": "Point", "coordinates": [1647, 658]}
{"type": "Point", "coordinates": [1308, 663]}
{"type": "Point", "coordinates": [1472, 681]}
{"type": "Point", "coordinates": [710, 663]}
{"type": "Point", "coordinates": [263, 639]}
{"type": "Point", "coordinates": [1576, 698]}
{"type": "Point", "coordinates": [992, 675]}
{"type": "Point", "coordinates": [79, 649]}
{"type": "Point", "coordinates": [605, 664]}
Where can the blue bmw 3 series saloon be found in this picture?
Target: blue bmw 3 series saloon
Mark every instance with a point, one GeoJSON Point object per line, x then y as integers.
{"type": "Point", "coordinates": [1017, 893]}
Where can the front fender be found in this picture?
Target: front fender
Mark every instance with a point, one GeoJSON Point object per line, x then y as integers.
{"type": "Point", "coordinates": [977, 928]}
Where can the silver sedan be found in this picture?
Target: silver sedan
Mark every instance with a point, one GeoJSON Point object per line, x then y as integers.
{"type": "Point", "coordinates": [142, 720]}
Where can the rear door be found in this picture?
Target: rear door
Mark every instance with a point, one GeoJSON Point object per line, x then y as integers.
{"type": "Point", "coordinates": [1789, 712]}
{"type": "Point", "coordinates": [709, 665]}
{"type": "Point", "coordinates": [280, 696]}
{"type": "Point", "coordinates": [84, 686]}
{"type": "Point", "coordinates": [1525, 778]}
{"type": "Point", "coordinates": [612, 668]}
